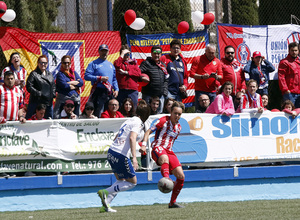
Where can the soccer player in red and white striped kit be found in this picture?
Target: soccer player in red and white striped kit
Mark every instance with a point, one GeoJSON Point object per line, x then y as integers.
{"type": "Point", "coordinates": [166, 131]}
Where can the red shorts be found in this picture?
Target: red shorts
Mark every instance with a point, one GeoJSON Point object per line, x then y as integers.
{"type": "Point", "coordinates": [157, 151]}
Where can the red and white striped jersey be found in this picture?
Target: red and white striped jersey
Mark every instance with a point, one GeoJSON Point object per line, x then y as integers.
{"type": "Point", "coordinates": [11, 100]}
{"type": "Point", "coordinates": [249, 101]}
{"type": "Point", "coordinates": [21, 75]}
{"type": "Point", "coordinates": [165, 132]}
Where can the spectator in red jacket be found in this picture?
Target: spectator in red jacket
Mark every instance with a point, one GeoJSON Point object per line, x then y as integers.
{"type": "Point", "coordinates": [128, 74]}
{"type": "Point", "coordinates": [232, 71]}
{"type": "Point", "coordinates": [289, 75]}
{"type": "Point", "coordinates": [112, 111]}
{"type": "Point", "coordinates": [207, 72]}
{"type": "Point", "coordinates": [177, 69]}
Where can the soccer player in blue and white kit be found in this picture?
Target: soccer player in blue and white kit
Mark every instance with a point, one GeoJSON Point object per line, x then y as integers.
{"type": "Point", "coordinates": [118, 156]}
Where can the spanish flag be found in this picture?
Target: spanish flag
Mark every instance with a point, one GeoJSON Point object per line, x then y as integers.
{"type": "Point", "coordinates": [82, 47]}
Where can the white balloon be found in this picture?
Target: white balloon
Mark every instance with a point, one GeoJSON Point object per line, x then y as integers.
{"type": "Point", "coordinates": [138, 24]}
{"type": "Point", "coordinates": [9, 15]}
{"type": "Point", "coordinates": [197, 17]}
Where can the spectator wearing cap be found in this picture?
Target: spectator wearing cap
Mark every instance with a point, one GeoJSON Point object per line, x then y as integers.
{"type": "Point", "coordinates": [102, 75]}
{"type": "Point", "coordinates": [158, 75]}
{"type": "Point", "coordinates": [258, 68]}
{"type": "Point", "coordinates": [68, 110]}
{"type": "Point", "coordinates": [88, 112]}
{"type": "Point", "coordinates": [128, 74]}
{"type": "Point", "coordinates": [112, 111]}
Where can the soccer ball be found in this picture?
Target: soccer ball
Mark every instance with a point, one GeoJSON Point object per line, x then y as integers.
{"type": "Point", "coordinates": [165, 185]}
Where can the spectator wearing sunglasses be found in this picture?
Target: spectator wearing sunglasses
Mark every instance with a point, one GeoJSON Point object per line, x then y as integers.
{"type": "Point", "coordinates": [158, 75]}
{"type": "Point", "coordinates": [68, 83]}
{"type": "Point", "coordinates": [233, 71]}
{"type": "Point", "coordinates": [128, 74]}
{"type": "Point", "coordinates": [68, 110]}
{"type": "Point", "coordinates": [88, 112]}
{"type": "Point", "coordinates": [41, 86]}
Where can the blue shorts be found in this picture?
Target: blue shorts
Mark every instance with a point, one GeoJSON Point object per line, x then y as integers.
{"type": "Point", "coordinates": [120, 165]}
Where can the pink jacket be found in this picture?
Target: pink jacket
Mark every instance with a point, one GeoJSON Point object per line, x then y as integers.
{"type": "Point", "coordinates": [221, 105]}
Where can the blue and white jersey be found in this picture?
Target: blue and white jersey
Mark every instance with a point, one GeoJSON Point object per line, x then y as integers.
{"type": "Point", "coordinates": [122, 143]}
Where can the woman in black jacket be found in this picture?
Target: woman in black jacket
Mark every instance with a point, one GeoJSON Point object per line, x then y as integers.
{"type": "Point", "coordinates": [41, 86]}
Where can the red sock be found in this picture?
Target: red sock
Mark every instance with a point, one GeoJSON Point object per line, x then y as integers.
{"type": "Point", "coordinates": [176, 190]}
{"type": "Point", "coordinates": [165, 170]}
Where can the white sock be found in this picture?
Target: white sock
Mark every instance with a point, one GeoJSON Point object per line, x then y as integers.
{"type": "Point", "coordinates": [110, 197]}
{"type": "Point", "coordinates": [120, 186]}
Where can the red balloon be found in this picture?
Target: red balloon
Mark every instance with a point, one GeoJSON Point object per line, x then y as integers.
{"type": "Point", "coordinates": [129, 16]}
{"type": "Point", "coordinates": [183, 27]}
{"type": "Point", "coordinates": [208, 18]}
{"type": "Point", "coordinates": [3, 8]}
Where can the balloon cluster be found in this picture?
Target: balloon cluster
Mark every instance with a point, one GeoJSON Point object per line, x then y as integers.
{"type": "Point", "coordinates": [6, 15]}
{"type": "Point", "coordinates": [205, 19]}
{"type": "Point", "coordinates": [197, 17]}
{"type": "Point", "coordinates": [132, 21]}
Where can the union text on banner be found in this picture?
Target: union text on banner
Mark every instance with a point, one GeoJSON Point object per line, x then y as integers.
{"type": "Point", "coordinates": [82, 47]}
{"type": "Point", "coordinates": [193, 45]}
{"type": "Point", "coordinates": [271, 40]}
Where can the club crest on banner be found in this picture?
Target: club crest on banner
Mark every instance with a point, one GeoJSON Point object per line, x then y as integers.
{"type": "Point", "coordinates": [294, 37]}
{"type": "Point", "coordinates": [243, 53]}
{"type": "Point", "coordinates": [55, 50]}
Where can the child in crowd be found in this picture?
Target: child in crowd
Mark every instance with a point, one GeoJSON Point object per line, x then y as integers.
{"type": "Point", "coordinates": [288, 107]}
{"type": "Point", "coordinates": [223, 103]}
{"type": "Point", "coordinates": [39, 112]}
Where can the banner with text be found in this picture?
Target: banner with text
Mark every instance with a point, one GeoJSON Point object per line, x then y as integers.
{"type": "Point", "coordinates": [205, 140]}
{"type": "Point", "coordinates": [193, 45]}
{"type": "Point", "coordinates": [271, 40]}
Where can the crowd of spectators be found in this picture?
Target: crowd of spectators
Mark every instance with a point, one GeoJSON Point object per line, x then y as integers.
{"type": "Point", "coordinates": [221, 86]}
{"type": "Point", "coordinates": [114, 92]}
